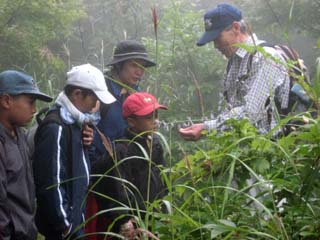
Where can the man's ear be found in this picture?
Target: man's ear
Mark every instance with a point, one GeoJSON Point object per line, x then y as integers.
{"type": "Point", "coordinates": [236, 26]}
{"type": "Point", "coordinates": [5, 101]}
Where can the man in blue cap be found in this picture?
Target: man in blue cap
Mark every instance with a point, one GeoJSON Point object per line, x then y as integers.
{"type": "Point", "coordinates": [251, 82]}
{"type": "Point", "coordinates": [18, 94]}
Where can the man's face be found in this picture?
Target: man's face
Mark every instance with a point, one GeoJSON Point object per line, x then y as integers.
{"type": "Point", "coordinates": [224, 43]}
{"type": "Point", "coordinates": [132, 71]}
{"type": "Point", "coordinates": [22, 109]}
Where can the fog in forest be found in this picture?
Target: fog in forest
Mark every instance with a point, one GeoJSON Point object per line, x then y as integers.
{"type": "Point", "coordinates": [51, 37]}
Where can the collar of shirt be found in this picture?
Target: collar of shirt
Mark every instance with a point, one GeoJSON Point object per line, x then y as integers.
{"type": "Point", "coordinates": [118, 90]}
{"type": "Point", "coordinates": [251, 40]}
{"type": "Point", "coordinates": [126, 92]}
{"type": "Point", "coordinates": [138, 137]}
{"type": "Point", "coordinates": [6, 133]}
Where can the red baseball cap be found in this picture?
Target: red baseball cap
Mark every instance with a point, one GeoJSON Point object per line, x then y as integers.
{"type": "Point", "coordinates": [140, 104]}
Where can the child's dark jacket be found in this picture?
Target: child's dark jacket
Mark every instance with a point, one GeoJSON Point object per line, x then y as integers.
{"type": "Point", "coordinates": [17, 199]}
{"type": "Point", "coordinates": [133, 166]}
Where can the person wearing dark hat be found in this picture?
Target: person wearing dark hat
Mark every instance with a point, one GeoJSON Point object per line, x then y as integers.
{"type": "Point", "coordinates": [248, 93]}
{"type": "Point", "coordinates": [130, 58]}
{"type": "Point", "coordinates": [18, 94]}
{"type": "Point", "coordinates": [138, 159]}
{"type": "Point", "coordinates": [127, 67]}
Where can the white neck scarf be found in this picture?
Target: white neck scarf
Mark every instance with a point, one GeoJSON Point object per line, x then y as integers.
{"type": "Point", "coordinates": [69, 113]}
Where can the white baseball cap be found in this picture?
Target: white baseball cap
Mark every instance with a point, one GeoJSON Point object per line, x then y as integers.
{"type": "Point", "coordinates": [90, 77]}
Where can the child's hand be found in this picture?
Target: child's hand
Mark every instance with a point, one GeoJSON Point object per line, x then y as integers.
{"type": "Point", "coordinates": [128, 230]}
{"type": "Point", "coordinates": [87, 135]}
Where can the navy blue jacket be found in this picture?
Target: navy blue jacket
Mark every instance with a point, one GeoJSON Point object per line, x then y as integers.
{"type": "Point", "coordinates": [61, 179]}
{"type": "Point", "coordinates": [112, 123]}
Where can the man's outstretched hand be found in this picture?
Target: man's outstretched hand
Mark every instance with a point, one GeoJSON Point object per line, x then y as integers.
{"type": "Point", "coordinates": [192, 133]}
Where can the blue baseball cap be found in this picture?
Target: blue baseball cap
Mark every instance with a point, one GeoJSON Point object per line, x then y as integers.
{"type": "Point", "coordinates": [216, 20]}
{"type": "Point", "coordinates": [15, 83]}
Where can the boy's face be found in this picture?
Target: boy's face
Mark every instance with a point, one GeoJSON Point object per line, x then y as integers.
{"type": "Point", "coordinates": [85, 102]}
{"type": "Point", "coordinates": [147, 123]}
{"type": "Point", "coordinates": [21, 109]}
{"type": "Point", "coordinates": [132, 71]}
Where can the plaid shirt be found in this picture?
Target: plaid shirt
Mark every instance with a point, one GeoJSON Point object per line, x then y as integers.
{"type": "Point", "coordinates": [250, 94]}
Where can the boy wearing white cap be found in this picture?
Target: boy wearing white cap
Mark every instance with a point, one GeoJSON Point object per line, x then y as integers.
{"type": "Point", "coordinates": [61, 163]}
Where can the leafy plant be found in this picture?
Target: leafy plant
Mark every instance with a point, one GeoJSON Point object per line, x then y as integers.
{"type": "Point", "coordinates": [32, 35]}
{"type": "Point", "coordinates": [244, 185]}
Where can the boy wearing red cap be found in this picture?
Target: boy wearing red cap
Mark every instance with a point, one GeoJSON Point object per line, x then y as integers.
{"type": "Point", "coordinates": [137, 159]}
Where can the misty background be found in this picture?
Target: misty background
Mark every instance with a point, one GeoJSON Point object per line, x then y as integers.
{"type": "Point", "coordinates": [46, 38]}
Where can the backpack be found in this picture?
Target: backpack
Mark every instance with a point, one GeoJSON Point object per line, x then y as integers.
{"type": "Point", "coordinates": [44, 117]}
{"type": "Point", "coordinates": [298, 101]}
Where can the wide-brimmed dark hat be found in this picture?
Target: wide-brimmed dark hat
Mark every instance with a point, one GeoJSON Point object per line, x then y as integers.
{"type": "Point", "coordinates": [131, 49]}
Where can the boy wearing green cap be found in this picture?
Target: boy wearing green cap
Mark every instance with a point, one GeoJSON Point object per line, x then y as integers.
{"type": "Point", "coordinates": [18, 94]}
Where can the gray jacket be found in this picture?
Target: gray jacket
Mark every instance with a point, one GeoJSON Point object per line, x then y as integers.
{"type": "Point", "coordinates": [17, 198]}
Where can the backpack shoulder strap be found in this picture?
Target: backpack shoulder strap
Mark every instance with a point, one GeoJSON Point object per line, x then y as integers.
{"type": "Point", "coordinates": [249, 63]}
{"type": "Point", "coordinates": [41, 114]}
{"type": "Point", "coordinates": [2, 141]}
{"type": "Point", "coordinates": [53, 116]}
{"type": "Point", "coordinates": [262, 44]}
{"type": "Point", "coordinates": [266, 44]}
{"type": "Point", "coordinates": [287, 52]}
{"type": "Point", "coordinates": [298, 68]}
